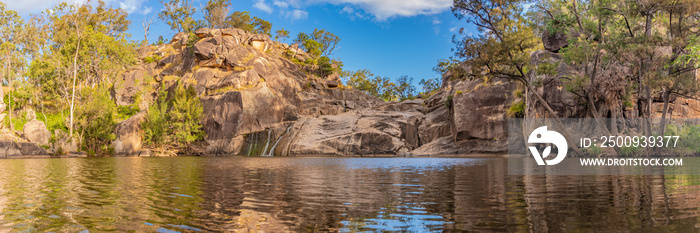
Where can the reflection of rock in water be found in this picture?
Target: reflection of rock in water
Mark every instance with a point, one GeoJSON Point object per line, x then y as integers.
{"type": "Point", "coordinates": [253, 221]}
{"type": "Point", "coordinates": [328, 195]}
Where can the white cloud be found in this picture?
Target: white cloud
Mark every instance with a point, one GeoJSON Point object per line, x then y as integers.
{"type": "Point", "coordinates": [32, 6]}
{"type": "Point", "coordinates": [436, 21]}
{"type": "Point", "coordinates": [134, 6]}
{"type": "Point", "coordinates": [348, 10]}
{"type": "Point", "coordinates": [280, 4]}
{"type": "Point", "coordinates": [385, 9]}
{"type": "Point", "coordinates": [261, 5]}
{"type": "Point", "coordinates": [298, 14]}
{"type": "Point", "coordinates": [36, 6]}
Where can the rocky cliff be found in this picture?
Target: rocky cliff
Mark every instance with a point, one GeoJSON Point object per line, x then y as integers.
{"type": "Point", "coordinates": [260, 99]}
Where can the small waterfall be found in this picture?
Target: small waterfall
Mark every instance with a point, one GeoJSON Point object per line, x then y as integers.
{"type": "Point", "coordinates": [267, 142]}
{"type": "Point", "coordinates": [272, 150]}
{"type": "Point", "coordinates": [254, 142]}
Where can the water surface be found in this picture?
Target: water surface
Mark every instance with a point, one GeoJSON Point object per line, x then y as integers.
{"type": "Point", "coordinates": [212, 194]}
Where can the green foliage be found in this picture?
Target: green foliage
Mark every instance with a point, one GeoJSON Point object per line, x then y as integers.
{"type": "Point", "coordinates": [178, 15]}
{"type": "Point", "coordinates": [327, 40]}
{"type": "Point", "coordinates": [458, 92]}
{"type": "Point", "coordinates": [192, 39]}
{"type": "Point", "coordinates": [281, 34]}
{"type": "Point", "coordinates": [593, 150]}
{"type": "Point", "coordinates": [380, 87]}
{"type": "Point", "coordinates": [504, 43]}
{"type": "Point", "coordinates": [429, 85]}
{"type": "Point", "coordinates": [576, 84]}
{"type": "Point", "coordinates": [54, 121]}
{"type": "Point", "coordinates": [547, 68]}
{"type": "Point", "coordinates": [215, 13]}
{"type": "Point", "coordinates": [404, 88]}
{"type": "Point", "coordinates": [450, 64]}
{"type": "Point", "coordinates": [242, 20]}
{"type": "Point", "coordinates": [629, 151]}
{"type": "Point", "coordinates": [689, 138]}
{"type": "Point", "coordinates": [17, 122]}
{"type": "Point", "coordinates": [517, 109]}
{"type": "Point", "coordinates": [448, 101]}
{"type": "Point", "coordinates": [325, 66]}
{"type": "Point", "coordinates": [313, 48]}
{"type": "Point", "coordinates": [174, 120]}
{"type": "Point", "coordinates": [160, 40]}
{"type": "Point", "coordinates": [96, 121]}
{"type": "Point", "coordinates": [154, 127]}
{"type": "Point", "coordinates": [186, 116]}
{"type": "Point", "coordinates": [319, 43]}
{"type": "Point", "coordinates": [124, 112]}
{"type": "Point", "coordinates": [152, 58]}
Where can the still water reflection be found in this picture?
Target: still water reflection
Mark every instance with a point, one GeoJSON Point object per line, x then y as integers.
{"type": "Point", "coordinates": [205, 194]}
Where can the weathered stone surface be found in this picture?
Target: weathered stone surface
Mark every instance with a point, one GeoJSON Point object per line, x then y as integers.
{"type": "Point", "coordinates": [479, 113]}
{"type": "Point", "coordinates": [223, 112]}
{"type": "Point", "coordinates": [36, 132]}
{"type": "Point", "coordinates": [9, 149]}
{"type": "Point", "coordinates": [129, 135]}
{"type": "Point", "coordinates": [364, 132]}
{"type": "Point", "coordinates": [437, 122]}
{"type": "Point", "coordinates": [553, 42]}
{"type": "Point", "coordinates": [28, 148]}
{"type": "Point", "coordinates": [202, 32]}
{"type": "Point", "coordinates": [63, 142]}
{"type": "Point", "coordinates": [205, 49]}
{"type": "Point", "coordinates": [251, 90]}
{"type": "Point", "coordinates": [30, 114]}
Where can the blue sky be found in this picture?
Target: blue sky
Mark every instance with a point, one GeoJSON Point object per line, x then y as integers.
{"type": "Point", "coordinates": [389, 37]}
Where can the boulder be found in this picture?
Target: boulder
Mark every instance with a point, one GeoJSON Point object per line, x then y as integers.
{"type": "Point", "coordinates": [129, 135]}
{"type": "Point", "coordinates": [30, 114]}
{"type": "Point", "coordinates": [479, 113]}
{"type": "Point", "coordinates": [9, 149]}
{"type": "Point", "coordinates": [36, 132]}
{"type": "Point", "coordinates": [202, 32]}
{"type": "Point", "coordinates": [437, 122]}
{"type": "Point", "coordinates": [205, 49]}
{"type": "Point", "coordinates": [260, 42]}
{"type": "Point", "coordinates": [553, 42]}
{"type": "Point", "coordinates": [28, 148]}
{"type": "Point", "coordinates": [363, 132]}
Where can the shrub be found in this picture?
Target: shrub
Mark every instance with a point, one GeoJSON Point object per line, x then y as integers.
{"type": "Point", "coordinates": [96, 121]}
{"type": "Point", "coordinates": [152, 58]}
{"type": "Point", "coordinates": [192, 39]}
{"type": "Point", "coordinates": [593, 150]}
{"type": "Point", "coordinates": [517, 109]}
{"type": "Point", "coordinates": [448, 101]}
{"type": "Point", "coordinates": [174, 122]}
{"type": "Point", "coordinates": [325, 66]}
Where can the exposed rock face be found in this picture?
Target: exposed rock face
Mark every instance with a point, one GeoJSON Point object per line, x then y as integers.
{"type": "Point", "coordinates": [9, 149]}
{"type": "Point", "coordinates": [27, 148]}
{"type": "Point", "coordinates": [363, 132]}
{"type": "Point", "coordinates": [553, 42]}
{"type": "Point", "coordinates": [129, 136]}
{"type": "Point", "coordinates": [258, 102]}
{"type": "Point", "coordinates": [479, 115]}
{"type": "Point", "coordinates": [36, 132]}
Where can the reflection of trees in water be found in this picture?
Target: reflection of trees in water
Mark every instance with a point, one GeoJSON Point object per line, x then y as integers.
{"type": "Point", "coordinates": [605, 203]}
{"type": "Point", "coordinates": [330, 197]}
{"type": "Point", "coordinates": [278, 194]}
